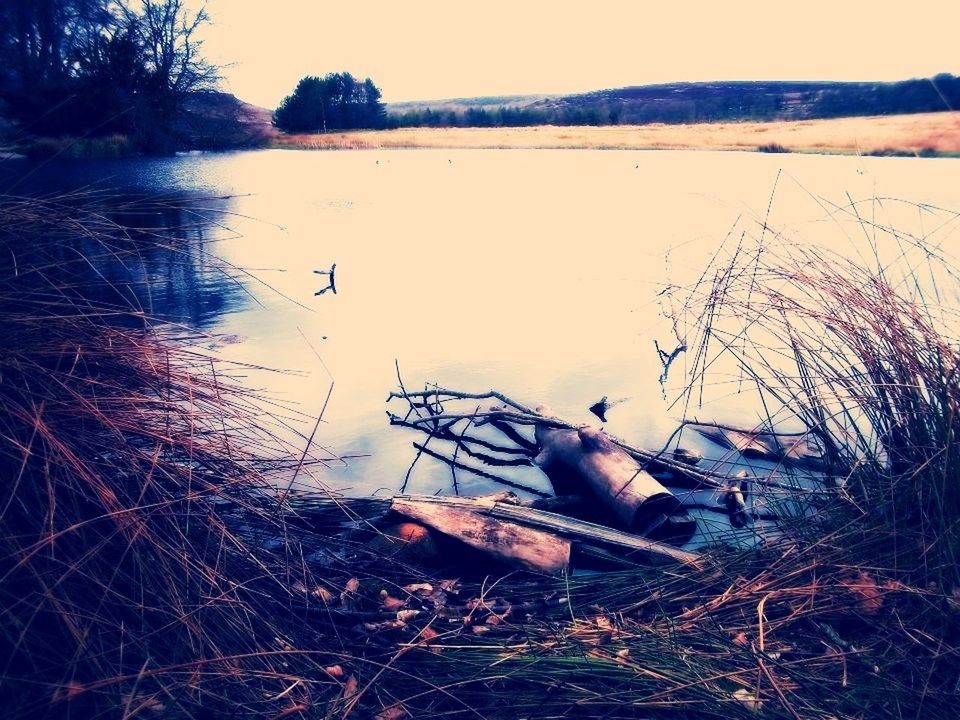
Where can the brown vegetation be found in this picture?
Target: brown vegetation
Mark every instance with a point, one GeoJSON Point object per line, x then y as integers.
{"type": "Point", "coordinates": [911, 134]}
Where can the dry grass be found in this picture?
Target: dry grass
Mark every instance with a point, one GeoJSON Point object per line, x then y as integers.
{"type": "Point", "coordinates": [131, 466]}
{"type": "Point", "coordinates": [921, 133]}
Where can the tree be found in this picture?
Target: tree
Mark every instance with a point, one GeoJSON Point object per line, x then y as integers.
{"type": "Point", "coordinates": [172, 64]}
{"type": "Point", "coordinates": [334, 102]}
{"type": "Point", "coordinates": [82, 67]}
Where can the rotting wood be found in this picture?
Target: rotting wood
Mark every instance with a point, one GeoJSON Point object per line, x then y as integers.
{"type": "Point", "coordinates": [515, 544]}
{"type": "Point", "coordinates": [797, 449]}
{"type": "Point", "coordinates": [637, 499]}
{"type": "Point", "coordinates": [427, 412]}
{"type": "Point", "coordinates": [578, 531]}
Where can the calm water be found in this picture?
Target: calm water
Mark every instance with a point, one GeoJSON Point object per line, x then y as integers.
{"type": "Point", "coordinates": [533, 272]}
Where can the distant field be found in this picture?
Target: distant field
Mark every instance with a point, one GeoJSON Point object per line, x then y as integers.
{"type": "Point", "coordinates": [926, 133]}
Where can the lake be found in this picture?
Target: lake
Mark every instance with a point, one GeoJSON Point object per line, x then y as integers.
{"type": "Point", "coordinates": [532, 272]}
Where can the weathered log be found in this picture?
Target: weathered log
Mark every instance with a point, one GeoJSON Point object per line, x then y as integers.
{"type": "Point", "coordinates": [517, 545]}
{"type": "Point", "coordinates": [582, 532]}
{"type": "Point", "coordinates": [406, 542]}
{"type": "Point", "coordinates": [636, 498]}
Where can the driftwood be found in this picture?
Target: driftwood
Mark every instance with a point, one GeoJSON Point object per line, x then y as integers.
{"type": "Point", "coordinates": [428, 412]}
{"type": "Point", "coordinates": [583, 534]}
{"type": "Point", "coordinates": [797, 449]}
{"type": "Point", "coordinates": [493, 436]}
{"type": "Point", "coordinates": [637, 499]}
{"type": "Point", "coordinates": [515, 544]}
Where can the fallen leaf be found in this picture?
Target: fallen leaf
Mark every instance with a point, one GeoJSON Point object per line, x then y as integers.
{"type": "Point", "coordinates": [385, 625]}
{"type": "Point", "coordinates": [748, 699]}
{"type": "Point", "coordinates": [869, 595]}
{"type": "Point", "coordinates": [322, 594]}
{"type": "Point", "coordinates": [348, 597]}
{"type": "Point", "coordinates": [394, 712]}
{"type": "Point", "coordinates": [334, 671]}
{"type": "Point", "coordinates": [388, 603]}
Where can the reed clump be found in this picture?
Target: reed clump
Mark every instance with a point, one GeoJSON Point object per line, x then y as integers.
{"type": "Point", "coordinates": [131, 465]}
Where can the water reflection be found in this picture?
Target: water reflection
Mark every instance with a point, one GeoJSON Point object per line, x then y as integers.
{"type": "Point", "coordinates": [126, 257]}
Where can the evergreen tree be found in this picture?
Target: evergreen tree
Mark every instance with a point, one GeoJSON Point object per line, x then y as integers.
{"type": "Point", "coordinates": [336, 101]}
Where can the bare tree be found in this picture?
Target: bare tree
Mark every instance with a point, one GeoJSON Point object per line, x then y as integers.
{"type": "Point", "coordinates": [168, 32]}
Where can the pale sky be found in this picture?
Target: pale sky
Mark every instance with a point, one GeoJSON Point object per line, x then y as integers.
{"type": "Point", "coordinates": [430, 50]}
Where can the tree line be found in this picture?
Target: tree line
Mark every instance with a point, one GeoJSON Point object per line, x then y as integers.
{"type": "Point", "coordinates": [705, 102]}
{"type": "Point", "coordinates": [99, 67]}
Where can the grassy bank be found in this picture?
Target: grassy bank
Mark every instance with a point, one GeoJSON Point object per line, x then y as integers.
{"type": "Point", "coordinates": [148, 567]}
{"type": "Point", "coordinates": [930, 133]}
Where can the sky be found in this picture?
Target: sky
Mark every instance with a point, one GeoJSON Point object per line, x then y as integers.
{"type": "Point", "coordinates": [431, 50]}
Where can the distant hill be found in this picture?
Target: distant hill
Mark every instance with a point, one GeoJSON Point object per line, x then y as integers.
{"type": "Point", "coordinates": [463, 104]}
{"type": "Point", "coordinates": [218, 120]}
{"type": "Point", "coordinates": [692, 103]}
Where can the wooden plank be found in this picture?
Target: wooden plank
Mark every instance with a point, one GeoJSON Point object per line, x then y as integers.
{"type": "Point", "coordinates": [517, 545]}
{"type": "Point", "coordinates": [578, 530]}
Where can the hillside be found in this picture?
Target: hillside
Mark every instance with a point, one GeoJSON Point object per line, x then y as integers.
{"type": "Point", "coordinates": [219, 120]}
{"type": "Point", "coordinates": [691, 103]}
{"type": "Point", "coordinates": [488, 102]}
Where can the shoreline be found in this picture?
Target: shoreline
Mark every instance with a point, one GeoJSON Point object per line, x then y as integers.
{"type": "Point", "coordinates": [927, 135]}
{"type": "Point", "coordinates": [922, 135]}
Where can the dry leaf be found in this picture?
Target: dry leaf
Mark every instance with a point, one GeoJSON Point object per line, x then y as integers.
{"type": "Point", "coordinates": [348, 597]}
{"type": "Point", "coordinates": [334, 671]}
{"type": "Point", "coordinates": [385, 625]}
{"type": "Point", "coordinates": [394, 712]}
{"type": "Point", "coordinates": [865, 588]}
{"type": "Point", "coordinates": [419, 587]}
{"type": "Point", "coordinates": [322, 594]}
{"type": "Point", "coordinates": [404, 616]}
{"type": "Point", "coordinates": [748, 699]}
{"type": "Point", "coordinates": [388, 603]}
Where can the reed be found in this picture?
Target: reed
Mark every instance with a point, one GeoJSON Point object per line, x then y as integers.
{"type": "Point", "coordinates": [130, 464]}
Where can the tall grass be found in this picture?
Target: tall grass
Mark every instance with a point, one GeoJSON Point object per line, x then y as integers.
{"type": "Point", "coordinates": [863, 351]}
{"type": "Point", "coordinates": [125, 589]}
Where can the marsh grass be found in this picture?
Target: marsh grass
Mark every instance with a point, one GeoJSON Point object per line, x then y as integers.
{"type": "Point", "coordinates": [125, 589]}
{"type": "Point", "coordinates": [925, 134]}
